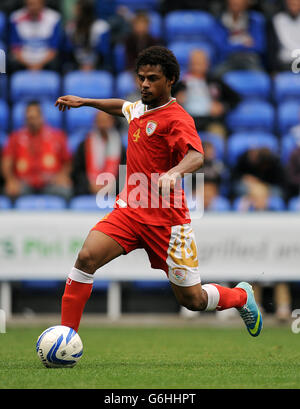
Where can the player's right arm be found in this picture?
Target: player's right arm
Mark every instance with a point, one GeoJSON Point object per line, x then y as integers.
{"type": "Point", "coordinates": [111, 106]}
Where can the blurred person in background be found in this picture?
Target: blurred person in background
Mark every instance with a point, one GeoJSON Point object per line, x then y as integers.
{"type": "Point", "coordinates": [208, 99]}
{"type": "Point", "coordinates": [213, 168]}
{"type": "Point", "coordinates": [139, 39]}
{"type": "Point", "coordinates": [214, 172]}
{"type": "Point", "coordinates": [293, 174]}
{"type": "Point", "coordinates": [99, 153]}
{"type": "Point", "coordinates": [36, 158]}
{"type": "Point", "coordinates": [284, 37]}
{"type": "Point", "coordinates": [241, 34]}
{"type": "Point", "coordinates": [257, 200]}
{"type": "Point", "coordinates": [35, 37]}
{"type": "Point", "coordinates": [258, 164]}
{"type": "Point", "coordinates": [87, 38]}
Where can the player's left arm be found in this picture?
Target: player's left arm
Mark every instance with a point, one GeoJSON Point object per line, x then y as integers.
{"type": "Point", "coordinates": [191, 162]}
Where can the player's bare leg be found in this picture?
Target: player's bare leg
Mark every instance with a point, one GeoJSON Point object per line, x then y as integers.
{"type": "Point", "coordinates": [209, 297]}
{"type": "Point", "coordinates": [193, 298]}
{"type": "Point", "coordinates": [97, 250]}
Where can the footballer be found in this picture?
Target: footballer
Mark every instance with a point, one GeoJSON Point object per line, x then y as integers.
{"type": "Point", "coordinates": [162, 141]}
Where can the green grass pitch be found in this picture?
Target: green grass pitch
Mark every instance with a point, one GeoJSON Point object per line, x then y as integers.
{"type": "Point", "coordinates": [158, 357]}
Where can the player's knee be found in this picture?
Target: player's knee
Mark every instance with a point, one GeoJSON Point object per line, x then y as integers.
{"type": "Point", "coordinates": [86, 261]}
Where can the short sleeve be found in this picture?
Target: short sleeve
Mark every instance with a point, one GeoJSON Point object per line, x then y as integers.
{"type": "Point", "coordinates": [132, 110]}
{"type": "Point", "coordinates": [126, 110]}
{"type": "Point", "coordinates": [184, 136]}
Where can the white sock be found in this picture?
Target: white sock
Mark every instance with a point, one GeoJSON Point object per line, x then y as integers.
{"type": "Point", "coordinates": [213, 296]}
{"type": "Point", "coordinates": [81, 276]}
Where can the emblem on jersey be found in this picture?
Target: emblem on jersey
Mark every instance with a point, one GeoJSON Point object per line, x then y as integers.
{"type": "Point", "coordinates": [179, 274]}
{"type": "Point", "coordinates": [150, 127]}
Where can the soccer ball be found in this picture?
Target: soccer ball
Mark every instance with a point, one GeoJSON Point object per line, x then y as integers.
{"type": "Point", "coordinates": [59, 347]}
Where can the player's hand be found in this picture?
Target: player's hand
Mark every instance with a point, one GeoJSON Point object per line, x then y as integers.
{"type": "Point", "coordinates": [69, 101]}
{"type": "Point", "coordinates": [167, 182]}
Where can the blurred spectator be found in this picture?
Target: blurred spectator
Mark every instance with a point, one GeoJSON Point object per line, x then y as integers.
{"type": "Point", "coordinates": [99, 153]}
{"type": "Point", "coordinates": [258, 164]}
{"type": "Point", "coordinates": [35, 36]}
{"type": "Point", "coordinates": [293, 173]}
{"type": "Point", "coordinates": [284, 36]}
{"type": "Point", "coordinates": [179, 92]}
{"type": "Point", "coordinates": [282, 299]}
{"type": "Point", "coordinates": [208, 99]}
{"type": "Point", "coordinates": [138, 39]}
{"type": "Point", "coordinates": [242, 38]}
{"type": "Point", "coordinates": [211, 194]}
{"type": "Point", "coordinates": [120, 24]}
{"type": "Point", "coordinates": [88, 38]}
{"type": "Point", "coordinates": [208, 196]}
{"type": "Point", "coordinates": [256, 198]}
{"type": "Point", "coordinates": [36, 158]}
{"type": "Point", "coordinates": [213, 167]}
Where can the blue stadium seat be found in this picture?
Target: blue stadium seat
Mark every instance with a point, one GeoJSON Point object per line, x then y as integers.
{"type": "Point", "coordinates": [125, 84]}
{"type": "Point", "coordinates": [42, 285]}
{"type": "Point", "coordinates": [90, 84]}
{"type": "Point", "coordinates": [149, 285]}
{"type": "Point", "coordinates": [105, 8]}
{"type": "Point", "coordinates": [294, 204]}
{"type": "Point", "coordinates": [182, 51]}
{"type": "Point", "coordinates": [2, 25]}
{"type": "Point", "coordinates": [5, 203]}
{"type": "Point", "coordinates": [51, 114]}
{"type": "Point", "coordinates": [75, 138]}
{"type": "Point", "coordinates": [100, 285]}
{"type": "Point", "coordinates": [35, 85]}
{"type": "Point", "coordinates": [286, 87]}
{"type": "Point", "coordinates": [252, 115]}
{"type": "Point", "coordinates": [219, 204]}
{"type": "Point", "coordinates": [249, 84]}
{"type": "Point", "coordinates": [239, 143]}
{"type": "Point", "coordinates": [3, 139]}
{"type": "Point", "coordinates": [84, 203]}
{"type": "Point", "coordinates": [156, 24]}
{"type": "Point", "coordinates": [288, 115]}
{"type": "Point", "coordinates": [135, 5]}
{"type": "Point", "coordinates": [3, 86]}
{"type": "Point", "coordinates": [288, 144]}
{"type": "Point", "coordinates": [189, 25]}
{"type": "Point", "coordinates": [82, 120]}
{"type": "Point", "coordinates": [4, 116]}
{"type": "Point", "coordinates": [90, 203]}
{"type": "Point", "coordinates": [40, 202]}
{"type": "Point", "coordinates": [119, 57]}
{"type": "Point", "coordinates": [217, 141]}
{"type": "Point", "coordinates": [275, 203]}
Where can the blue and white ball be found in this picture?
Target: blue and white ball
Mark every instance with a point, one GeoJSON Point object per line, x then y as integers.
{"type": "Point", "coordinates": [59, 347]}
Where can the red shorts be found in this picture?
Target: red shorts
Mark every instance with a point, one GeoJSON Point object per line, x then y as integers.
{"type": "Point", "coordinates": [169, 248]}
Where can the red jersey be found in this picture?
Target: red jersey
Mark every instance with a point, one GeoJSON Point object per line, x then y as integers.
{"type": "Point", "coordinates": [158, 139]}
{"type": "Point", "coordinates": [37, 157]}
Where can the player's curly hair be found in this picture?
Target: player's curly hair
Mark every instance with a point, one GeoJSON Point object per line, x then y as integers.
{"type": "Point", "coordinates": [159, 55]}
